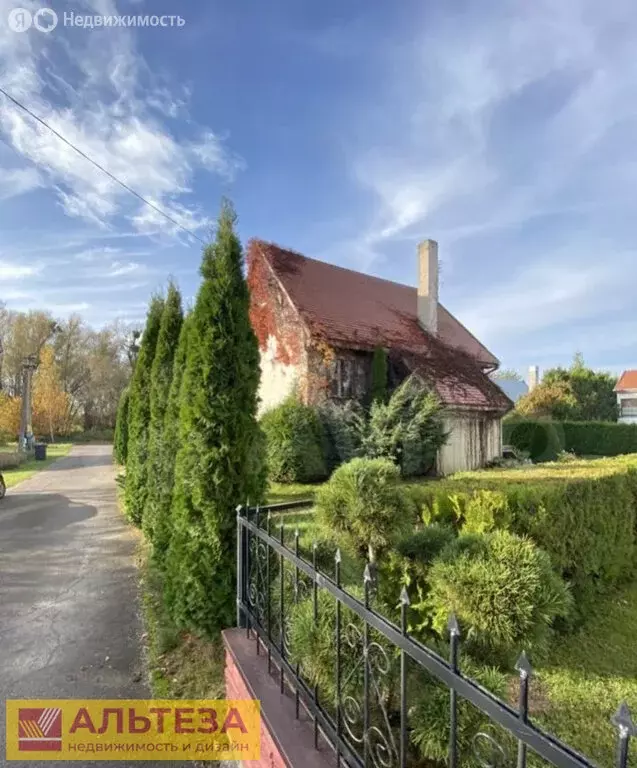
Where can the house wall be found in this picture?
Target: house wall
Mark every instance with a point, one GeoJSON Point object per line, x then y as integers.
{"type": "Point", "coordinates": [627, 402]}
{"type": "Point", "coordinates": [281, 335]}
{"type": "Point", "coordinates": [474, 440]}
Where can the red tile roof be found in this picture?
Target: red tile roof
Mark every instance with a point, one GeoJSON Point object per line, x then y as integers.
{"type": "Point", "coordinates": [354, 310]}
{"type": "Point", "coordinates": [628, 381]}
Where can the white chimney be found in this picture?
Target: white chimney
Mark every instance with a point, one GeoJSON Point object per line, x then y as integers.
{"type": "Point", "coordinates": [534, 377]}
{"type": "Point", "coordinates": [428, 285]}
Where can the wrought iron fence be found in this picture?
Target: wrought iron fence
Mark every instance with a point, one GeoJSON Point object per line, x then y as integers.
{"type": "Point", "coordinates": [364, 711]}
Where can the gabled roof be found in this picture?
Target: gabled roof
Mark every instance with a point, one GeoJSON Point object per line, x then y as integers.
{"type": "Point", "coordinates": [357, 311]}
{"type": "Point", "coordinates": [351, 308]}
{"type": "Point", "coordinates": [627, 382]}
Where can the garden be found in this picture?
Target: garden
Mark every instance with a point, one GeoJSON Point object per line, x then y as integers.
{"type": "Point", "coordinates": [537, 558]}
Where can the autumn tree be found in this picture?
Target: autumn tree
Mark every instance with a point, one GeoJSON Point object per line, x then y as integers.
{"type": "Point", "coordinates": [50, 402]}
{"type": "Point", "coordinates": [550, 401]}
{"type": "Point", "coordinates": [594, 391]}
{"type": "Point", "coordinates": [139, 416]}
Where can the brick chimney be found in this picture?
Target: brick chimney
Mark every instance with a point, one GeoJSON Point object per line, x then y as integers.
{"type": "Point", "coordinates": [534, 377]}
{"type": "Point", "coordinates": [428, 285]}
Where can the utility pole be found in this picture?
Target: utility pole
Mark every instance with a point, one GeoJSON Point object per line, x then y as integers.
{"type": "Point", "coordinates": [29, 365]}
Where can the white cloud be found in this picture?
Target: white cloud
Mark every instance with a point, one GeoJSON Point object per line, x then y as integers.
{"type": "Point", "coordinates": [18, 181]}
{"type": "Point", "coordinates": [10, 271]}
{"type": "Point", "coordinates": [111, 106]}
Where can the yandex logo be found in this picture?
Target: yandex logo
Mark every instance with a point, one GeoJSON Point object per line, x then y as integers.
{"type": "Point", "coordinates": [133, 729]}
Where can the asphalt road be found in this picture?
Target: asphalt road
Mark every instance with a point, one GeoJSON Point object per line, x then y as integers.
{"type": "Point", "coordinates": [69, 613]}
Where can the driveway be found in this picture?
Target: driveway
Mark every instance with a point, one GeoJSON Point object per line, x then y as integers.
{"type": "Point", "coordinates": [69, 618]}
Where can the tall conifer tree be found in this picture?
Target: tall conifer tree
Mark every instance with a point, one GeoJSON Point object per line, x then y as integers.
{"type": "Point", "coordinates": [160, 382]}
{"type": "Point", "coordinates": [139, 416]}
{"type": "Point", "coordinates": [215, 467]}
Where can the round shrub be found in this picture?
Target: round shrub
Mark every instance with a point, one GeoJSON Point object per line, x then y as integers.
{"type": "Point", "coordinates": [365, 501]}
{"type": "Point", "coordinates": [294, 437]}
{"type": "Point", "coordinates": [506, 597]}
{"type": "Point", "coordinates": [424, 546]}
{"type": "Point", "coordinates": [540, 439]}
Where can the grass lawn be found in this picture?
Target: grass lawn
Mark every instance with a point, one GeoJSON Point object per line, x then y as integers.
{"type": "Point", "coordinates": [589, 675]}
{"type": "Point", "coordinates": [29, 468]}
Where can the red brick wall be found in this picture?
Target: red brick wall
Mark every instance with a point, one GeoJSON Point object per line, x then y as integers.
{"type": "Point", "coordinates": [237, 689]}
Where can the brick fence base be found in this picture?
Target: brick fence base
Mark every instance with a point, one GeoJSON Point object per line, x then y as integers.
{"type": "Point", "coordinates": [285, 741]}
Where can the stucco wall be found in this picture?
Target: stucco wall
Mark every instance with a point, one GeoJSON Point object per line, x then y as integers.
{"type": "Point", "coordinates": [281, 334]}
{"type": "Point", "coordinates": [473, 441]}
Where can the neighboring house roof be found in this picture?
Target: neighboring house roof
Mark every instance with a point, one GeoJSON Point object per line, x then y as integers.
{"type": "Point", "coordinates": [514, 389]}
{"type": "Point", "coordinates": [357, 311]}
{"type": "Point", "coordinates": [627, 382]}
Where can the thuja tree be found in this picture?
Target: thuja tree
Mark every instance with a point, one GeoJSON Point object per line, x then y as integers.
{"type": "Point", "coordinates": [215, 468]}
{"type": "Point", "coordinates": [160, 381]}
{"type": "Point", "coordinates": [139, 416]}
{"type": "Point", "coordinates": [120, 440]}
{"type": "Point", "coordinates": [165, 477]}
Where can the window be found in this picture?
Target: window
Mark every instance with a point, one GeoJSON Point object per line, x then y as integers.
{"type": "Point", "coordinates": [348, 379]}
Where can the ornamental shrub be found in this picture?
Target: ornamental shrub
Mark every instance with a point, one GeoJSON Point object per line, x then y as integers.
{"type": "Point", "coordinates": [379, 375]}
{"type": "Point", "coordinates": [583, 514]}
{"type": "Point", "coordinates": [343, 430]}
{"type": "Point", "coordinates": [364, 500]}
{"type": "Point", "coordinates": [139, 416]}
{"type": "Point", "coordinates": [161, 376]}
{"type": "Point", "coordinates": [425, 545]}
{"type": "Point", "coordinates": [214, 468]}
{"type": "Point", "coordinates": [506, 597]}
{"type": "Point", "coordinates": [409, 429]}
{"type": "Point", "coordinates": [120, 440]}
{"type": "Point", "coordinates": [541, 439]}
{"type": "Point", "coordinates": [295, 443]}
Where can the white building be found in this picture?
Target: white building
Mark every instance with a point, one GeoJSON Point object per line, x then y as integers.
{"type": "Point", "coordinates": [626, 390]}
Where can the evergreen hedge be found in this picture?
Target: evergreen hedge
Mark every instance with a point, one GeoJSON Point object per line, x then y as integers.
{"type": "Point", "coordinates": [120, 440]}
{"type": "Point", "coordinates": [583, 513]}
{"type": "Point", "coordinates": [136, 490]}
{"type": "Point", "coordinates": [544, 439]}
{"type": "Point", "coordinates": [160, 381]}
{"type": "Point", "coordinates": [214, 469]}
{"type": "Point", "coordinates": [598, 438]}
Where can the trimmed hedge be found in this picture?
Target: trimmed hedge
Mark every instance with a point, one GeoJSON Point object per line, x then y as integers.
{"type": "Point", "coordinates": [543, 439]}
{"type": "Point", "coordinates": [583, 513]}
{"type": "Point", "coordinates": [599, 438]}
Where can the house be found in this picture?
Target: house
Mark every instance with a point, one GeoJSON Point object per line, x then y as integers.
{"type": "Point", "coordinates": [626, 390]}
{"type": "Point", "coordinates": [318, 325]}
{"type": "Point", "coordinates": [513, 388]}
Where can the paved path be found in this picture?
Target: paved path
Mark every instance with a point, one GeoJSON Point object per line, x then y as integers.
{"type": "Point", "coordinates": [69, 618]}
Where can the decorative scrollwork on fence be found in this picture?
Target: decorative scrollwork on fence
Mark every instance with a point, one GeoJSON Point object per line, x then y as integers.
{"type": "Point", "coordinates": [488, 751]}
{"type": "Point", "coordinates": [257, 583]}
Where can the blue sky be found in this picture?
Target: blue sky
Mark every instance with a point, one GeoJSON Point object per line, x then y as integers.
{"type": "Point", "coordinates": [348, 130]}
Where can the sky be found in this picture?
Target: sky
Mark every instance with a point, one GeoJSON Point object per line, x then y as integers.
{"type": "Point", "coordinates": [348, 130]}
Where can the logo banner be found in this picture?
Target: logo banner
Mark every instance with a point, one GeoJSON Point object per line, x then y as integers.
{"type": "Point", "coordinates": [123, 729]}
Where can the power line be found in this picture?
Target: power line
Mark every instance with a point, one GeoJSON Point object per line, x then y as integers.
{"type": "Point", "coordinates": [100, 167]}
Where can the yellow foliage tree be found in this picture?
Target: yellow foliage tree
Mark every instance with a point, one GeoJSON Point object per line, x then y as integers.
{"type": "Point", "coordinates": [10, 409]}
{"type": "Point", "coordinates": [51, 405]}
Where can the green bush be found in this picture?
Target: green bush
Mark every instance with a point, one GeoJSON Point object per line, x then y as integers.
{"type": "Point", "coordinates": [425, 545]}
{"type": "Point", "coordinates": [343, 428]}
{"type": "Point", "coordinates": [429, 716]}
{"type": "Point", "coordinates": [409, 429]}
{"type": "Point", "coordinates": [505, 597]}
{"type": "Point", "coordinates": [541, 439]}
{"type": "Point", "coordinates": [598, 438]}
{"type": "Point", "coordinates": [364, 500]}
{"type": "Point", "coordinates": [584, 514]}
{"type": "Point", "coordinates": [379, 375]}
{"type": "Point", "coordinates": [294, 437]}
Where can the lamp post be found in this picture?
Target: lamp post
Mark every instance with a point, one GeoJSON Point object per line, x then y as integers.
{"type": "Point", "coordinates": [29, 365]}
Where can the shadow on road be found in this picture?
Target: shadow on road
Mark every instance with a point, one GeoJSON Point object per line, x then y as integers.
{"type": "Point", "coordinates": [28, 520]}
